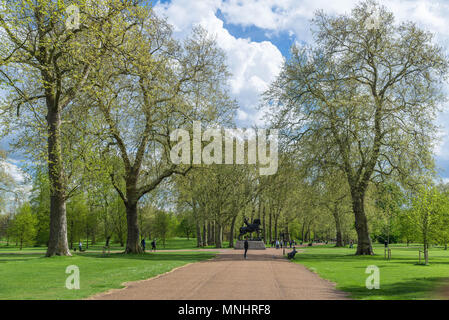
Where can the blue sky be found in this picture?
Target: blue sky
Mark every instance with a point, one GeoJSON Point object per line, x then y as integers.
{"type": "Point", "coordinates": [256, 36]}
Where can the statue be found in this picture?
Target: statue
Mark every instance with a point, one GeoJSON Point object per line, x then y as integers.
{"type": "Point", "coordinates": [250, 228]}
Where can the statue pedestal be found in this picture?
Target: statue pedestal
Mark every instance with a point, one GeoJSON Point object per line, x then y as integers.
{"type": "Point", "coordinates": [252, 245]}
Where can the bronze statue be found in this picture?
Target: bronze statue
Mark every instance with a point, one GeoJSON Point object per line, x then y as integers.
{"type": "Point", "coordinates": [250, 228]}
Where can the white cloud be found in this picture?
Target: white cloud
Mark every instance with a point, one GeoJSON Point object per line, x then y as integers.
{"type": "Point", "coordinates": [254, 65]}
{"type": "Point", "coordinates": [294, 16]}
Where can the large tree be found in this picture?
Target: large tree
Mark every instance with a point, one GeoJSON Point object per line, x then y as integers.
{"type": "Point", "coordinates": [363, 99]}
{"type": "Point", "coordinates": [148, 85]}
{"type": "Point", "coordinates": [45, 62]}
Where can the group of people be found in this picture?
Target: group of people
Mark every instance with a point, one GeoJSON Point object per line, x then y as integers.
{"type": "Point", "coordinates": [153, 244]}
{"type": "Point", "coordinates": [142, 243]}
{"type": "Point", "coordinates": [290, 255]}
{"type": "Point", "coordinates": [283, 244]}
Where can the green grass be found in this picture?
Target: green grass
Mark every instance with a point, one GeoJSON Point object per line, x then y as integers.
{"type": "Point", "coordinates": [26, 274]}
{"type": "Point", "coordinates": [31, 276]}
{"type": "Point", "coordinates": [400, 278]}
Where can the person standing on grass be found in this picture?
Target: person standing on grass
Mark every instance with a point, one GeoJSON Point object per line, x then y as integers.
{"type": "Point", "coordinates": [153, 245]}
{"type": "Point", "coordinates": [80, 246]}
{"type": "Point", "coordinates": [246, 246]}
{"type": "Point", "coordinates": [142, 243]}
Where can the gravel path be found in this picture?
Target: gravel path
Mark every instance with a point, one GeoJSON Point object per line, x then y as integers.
{"type": "Point", "coordinates": [265, 275]}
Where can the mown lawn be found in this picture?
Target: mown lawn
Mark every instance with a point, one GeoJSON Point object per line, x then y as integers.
{"type": "Point", "coordinates": [400, 278]}
{"type": "Point", "coordinates": [31, 276]}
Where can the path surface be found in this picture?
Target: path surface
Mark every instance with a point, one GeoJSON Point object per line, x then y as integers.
{"type": "Point", "coordinates": [265, 275]}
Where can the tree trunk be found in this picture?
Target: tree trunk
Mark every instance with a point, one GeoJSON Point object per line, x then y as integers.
{"type": "Point", "coordinates": [198, 234]}
{"type": "Point", "coordinates": [338, 228]}
{"type": "Point", "coordinates": [132, 241]}
{"type": "Point", "coordinates": [71, 234]}
{"type": "Point", "coordinates": [57, 244]}
{"type": "Point", "coordinates": [218, 235]}
{"type": "Point", "coordinates": [199, 241]}
{"type": "Point", "coordinates": [204, 235]}
{"type": "Point", "coordinates": [426, 250]}
{"type": "Point", "coordinates": [231, 235]}
{"type": "Point", "coordinates": [210, 233]}
{"type": "Point", "coordinates": [264, 225]}
{"type": "Point", "coordinates": [426, 254]}
{"type": "Point", "coordinates": [364, 246]}
{"type": "Point", "coordinates": [87, 237]}
{"type": "Point", "coordinates": [276, 228]}
{"type": "Point", "coordinates": [270, 233]}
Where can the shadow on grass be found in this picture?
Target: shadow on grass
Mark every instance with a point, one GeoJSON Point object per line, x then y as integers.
{"type": "Point", "coordinates": [353, 258]}
{"type": "Point", "coordinates": [411, 289]}
{"type": "Point", "coordinates": [151, 256]}
{"type": "Point", "coordinates": [11, 260]}
{"type": "Point", "coordinates": [5, 258]}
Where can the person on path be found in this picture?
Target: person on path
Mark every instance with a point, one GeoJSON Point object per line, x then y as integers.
{"type": "Point", "coordinates": [80, 246]}
{"type": "Point", "coordinates": [142, 243]}
{"type": "Point", "coordinates": [153, 245]}
{"type": "Point", "coordinates": [246, 245]}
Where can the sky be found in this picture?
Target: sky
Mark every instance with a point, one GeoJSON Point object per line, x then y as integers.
{"type": "Point", "coordinates": [256, 36]}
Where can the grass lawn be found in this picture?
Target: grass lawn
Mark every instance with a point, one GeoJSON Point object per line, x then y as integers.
{"type": "Point", "coordinates": [400, 278]}
{"type": "Point", "coordinates": [31, 276]}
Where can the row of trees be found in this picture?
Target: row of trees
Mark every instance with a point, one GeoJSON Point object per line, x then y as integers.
{"type": "Point", "coordinates": [28, 226]}
{"type": "Point", "coordinates": [94, 107]}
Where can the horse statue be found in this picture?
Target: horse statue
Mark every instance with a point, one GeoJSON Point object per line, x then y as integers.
{"type": "Point", "coordinates": [250, 228]}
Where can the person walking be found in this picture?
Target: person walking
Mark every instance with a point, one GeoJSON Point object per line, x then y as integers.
{"type": "Point", "coordinates": [80, 246]}
{"type": "Point", "coordinates": [246, 246]}
{"type": "Point", "coordinates": [142, 243]}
